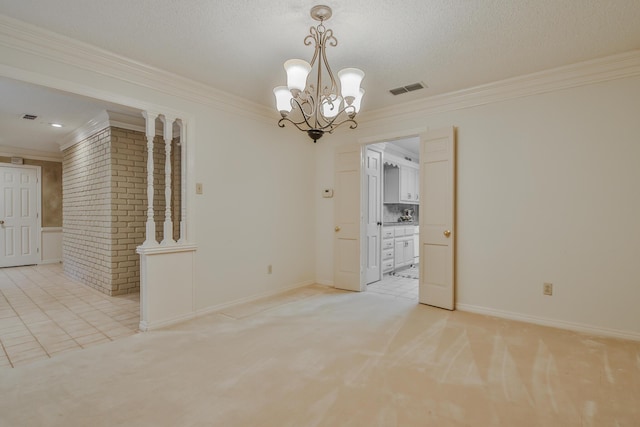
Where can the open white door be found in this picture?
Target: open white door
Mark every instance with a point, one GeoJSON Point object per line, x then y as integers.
{"type": "Point", "coordinates": [19, 215]}
{"type": "Point", "coordinates": [373, 214]}
{"type": "Point", "coordinates": [346, 248]}
{"type": "Point", "coordinates": [437, 218]}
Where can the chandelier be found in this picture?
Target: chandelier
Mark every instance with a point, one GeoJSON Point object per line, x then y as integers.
{"type": "Point", "coordinates": [318, 106]}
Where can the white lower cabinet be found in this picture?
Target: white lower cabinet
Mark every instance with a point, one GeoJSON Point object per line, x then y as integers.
{"type": "Point", "coordinates": [398, 247]}
{"type": "Point", "coordinates": [404, 250]}
{"type": "Point", "coordinates": [387, 249]}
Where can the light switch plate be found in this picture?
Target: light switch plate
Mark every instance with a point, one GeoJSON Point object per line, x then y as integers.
{"type": "Point", "coordinates": [198, 188]}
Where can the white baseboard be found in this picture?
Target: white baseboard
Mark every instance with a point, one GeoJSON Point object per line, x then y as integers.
{"type": "Point", "coordinates": [325, 283]}
{"type": "Point", "coordinates": [51, 261]}
{"type": "Point", "coordinates": [149, 326]}
{"type": "Point", "coordinates": [562, 324]}
{"type": "Point", "coordinates": [145, 326]}
{"type": "Point", "coordinates": [218, 307]}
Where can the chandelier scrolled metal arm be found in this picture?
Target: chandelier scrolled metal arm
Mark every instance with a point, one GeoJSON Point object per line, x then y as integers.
{"type": "Point", "coordinates": [319, 108]}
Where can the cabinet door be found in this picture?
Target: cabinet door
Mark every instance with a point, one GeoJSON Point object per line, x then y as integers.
{"type": "Point", "coordinates": [409, 178]}
{"type": "Point", "coordinates": [409, 251]}
{"type": "Point", "coordinates": [399, 253]}
{"type": "Point", "coordinates": [406, 185]}
{"type": "Point", "coordinates": [391, 184]}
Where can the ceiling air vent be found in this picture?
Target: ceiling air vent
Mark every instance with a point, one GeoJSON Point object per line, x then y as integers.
{"type": "Point", "coordinates": [29, 117]}
{"type": "Point", "coordinates": [408, 88]}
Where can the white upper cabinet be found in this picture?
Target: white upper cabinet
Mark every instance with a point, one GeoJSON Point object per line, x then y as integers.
{"type": "Point", "coordinates": [401, 179]}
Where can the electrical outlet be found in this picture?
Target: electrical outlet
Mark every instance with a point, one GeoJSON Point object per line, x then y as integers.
{"type": "Point", "coordinates": [547, 289]}
{"type": "Point", "coordinates": [269, 269]}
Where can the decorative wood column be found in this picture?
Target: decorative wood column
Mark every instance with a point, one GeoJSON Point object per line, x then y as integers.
{"type": "Point", "coordinates": [167, 235]}
{"type": "Point", "coordinates": [150, 128]}
{"type": "Point", "coordinates": [183, 182]}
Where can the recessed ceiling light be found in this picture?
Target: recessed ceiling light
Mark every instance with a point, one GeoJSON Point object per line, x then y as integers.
{"type": "Point", "coordinates": [56, 125]}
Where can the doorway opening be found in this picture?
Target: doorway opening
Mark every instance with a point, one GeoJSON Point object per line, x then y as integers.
{"type": "Point", "coordinates": [353, 244]}
{"type": "Point", "coordinates": [51, 305]}
{"type": "Point", "coordinates": [391, 177]}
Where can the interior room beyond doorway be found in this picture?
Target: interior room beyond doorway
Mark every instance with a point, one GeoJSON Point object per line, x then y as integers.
{"type": "Point", "coordinates": [392, 177]}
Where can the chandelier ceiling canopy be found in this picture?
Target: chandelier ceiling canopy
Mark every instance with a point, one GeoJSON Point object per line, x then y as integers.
{"type": "Point", "coordinates": [317, 105]}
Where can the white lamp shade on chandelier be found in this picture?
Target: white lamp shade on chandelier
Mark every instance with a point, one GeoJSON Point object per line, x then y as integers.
{"type": "Point", "coordinates": [331, 107]}
{"type": "Point", "coordinates": [350, 79]}
{"type": "Point", "coordinates": [283, 98]}
{"type": "Point", "coordinates": [358, 100]}
{"type": "Point", "coordinates": [322, 105]}
{"type": "Point", "coordinates": [297, 72]}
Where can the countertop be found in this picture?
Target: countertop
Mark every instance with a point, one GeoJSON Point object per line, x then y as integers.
{"type": "Point", "coordinates": [387, 224]}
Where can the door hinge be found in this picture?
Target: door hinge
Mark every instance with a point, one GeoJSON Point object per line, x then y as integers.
{"type": "Point", "coordinates": [37, 250]}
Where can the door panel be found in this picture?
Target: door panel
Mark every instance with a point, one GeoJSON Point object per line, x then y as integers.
{"type": "Point", "coordinates": [19, 206]}
{"type": "Point", "coordinates": [437, 218]}
{"type": "Point", "coordinates": [373, 173]}
{"type": "Point", "coordinates": [346, 273]}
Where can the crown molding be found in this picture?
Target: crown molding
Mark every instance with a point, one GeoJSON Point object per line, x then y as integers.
{"type": "Point", "coordinates": [19, 35]}
{"type": "Point", "coordinates": [8, 151]}
{"type": "Point", "coordinates": [109, 119]}
{"type": "Point", "coordinates": [584, 73]}
{"type": "Point", "coordinates": [96, 124]}
{"type": "Point", "coordinates": [28, 38]}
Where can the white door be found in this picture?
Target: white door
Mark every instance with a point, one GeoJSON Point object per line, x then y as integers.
{"type": "Point", "coordinates": [437, 218]}
{"type": "Point", "coordinates": [346, 248]}
{"type": "Point", "coordinates": [19, 215]}
{"type": "Point", "coordinates": [373, 214]}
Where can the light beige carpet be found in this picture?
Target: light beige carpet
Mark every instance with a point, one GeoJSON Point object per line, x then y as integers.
{"type": "Point", "coordinates": [321, 357]}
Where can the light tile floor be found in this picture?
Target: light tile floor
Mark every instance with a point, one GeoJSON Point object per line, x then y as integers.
{"type": "Point", "coordinates": [396, 285]}
{"type": "Point", "coordinates": [43, 313]}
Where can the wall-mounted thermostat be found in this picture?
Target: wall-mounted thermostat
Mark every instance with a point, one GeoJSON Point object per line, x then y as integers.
{"type": "Point", "coordinates": [327, 193]}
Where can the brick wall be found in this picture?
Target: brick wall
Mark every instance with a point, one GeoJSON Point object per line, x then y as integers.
{"type": "Point", "coordinates": [86, 219]}
{"type": "Point", "coordinates": [105, 200]}
{"type": "Point", "coordinates": [128, 204]}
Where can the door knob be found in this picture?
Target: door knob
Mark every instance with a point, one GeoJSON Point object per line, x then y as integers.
{"type": "Point", "coordinates": [337, 228]}
{"type": "Point", "coordinates": [447, 233]}
{"type": "Point", "coordinates": [378, 223]}
{"type": "Point", "coordinates": [1, 222]}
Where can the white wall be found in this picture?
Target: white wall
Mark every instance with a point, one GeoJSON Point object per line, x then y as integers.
{"type": "Point", "coordinates": [257, 210]}
{"type": "Point", "coordinates": [547, 192]}
{"type": "Point", "coordinates": [258, 203]}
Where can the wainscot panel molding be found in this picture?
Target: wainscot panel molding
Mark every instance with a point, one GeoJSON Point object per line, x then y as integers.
{"type": "Point", "coordinates": [167, 288]}
{"type": "Point", "coordinates": [554, 323]}
{"type": "Point", "coordinates": [51, 239]}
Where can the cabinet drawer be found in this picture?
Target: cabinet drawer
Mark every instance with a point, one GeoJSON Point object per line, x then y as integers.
{"type": "Point", "coordinates": [387, 233]}
{"type": "Point", "coordinates": [387, 265]}
{"type": "Point", "coordinates": [387, 244]}
{"type": "Point", "coordinates": [409, 231]}
{"type": "Point", "coordinates": [399, 231]}
{"type": "Point", "coordinates": [387, 253]}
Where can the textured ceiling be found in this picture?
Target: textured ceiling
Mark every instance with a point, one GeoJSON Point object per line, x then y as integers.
{"type": "Point", "coordinates": [239, 46]}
